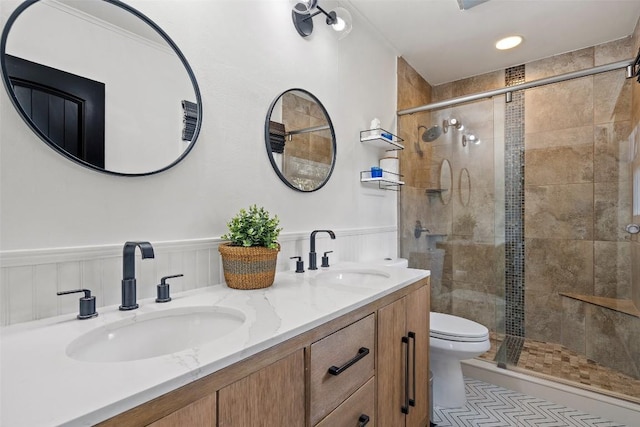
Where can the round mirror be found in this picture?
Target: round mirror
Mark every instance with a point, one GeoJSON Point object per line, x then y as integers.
{"type": "Point", "coordinates": [300, 140]}
{"type": "Point", "coordinates": [446, 181]}
{"type": "Point", "coordinates": [101, 84]}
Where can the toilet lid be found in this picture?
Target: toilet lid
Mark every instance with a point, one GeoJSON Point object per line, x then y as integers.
{"type": "Point", "coordinates": [454, 328]}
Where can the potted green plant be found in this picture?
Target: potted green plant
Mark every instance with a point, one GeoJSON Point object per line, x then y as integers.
{"type": "Point", "coordinates": [249, 258]}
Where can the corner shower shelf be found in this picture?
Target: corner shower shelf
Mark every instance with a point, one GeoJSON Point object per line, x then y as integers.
{"type": "Point", "coordinates": [381, 138]}
{"type": "Point", "coordinates": [385, 182]}
{"type": "Point", "coordinates": [625, 306]}
{"type": "Point", "coordinates": [435, 191]}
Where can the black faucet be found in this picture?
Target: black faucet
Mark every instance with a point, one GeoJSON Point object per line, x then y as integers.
{"type": "Point", "coordinates": [312, 251]}
{"type": "Point", "coordinates": [129, 272]}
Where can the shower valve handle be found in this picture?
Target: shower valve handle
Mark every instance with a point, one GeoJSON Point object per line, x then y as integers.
{"type": "Point", "coordinates": [632, 228]}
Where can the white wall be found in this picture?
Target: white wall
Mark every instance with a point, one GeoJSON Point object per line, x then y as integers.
{"type": "Point", "coordinates": [243, 53]}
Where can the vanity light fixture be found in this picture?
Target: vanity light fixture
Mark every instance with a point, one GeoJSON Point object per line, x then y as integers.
{"type": "Point", "coordinates": [304, 11]}
{"type": "Point", "coordinates": [508, 42]}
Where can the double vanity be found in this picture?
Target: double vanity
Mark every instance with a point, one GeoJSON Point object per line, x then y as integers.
{"type": "Point", "coordinates": [348, 344]}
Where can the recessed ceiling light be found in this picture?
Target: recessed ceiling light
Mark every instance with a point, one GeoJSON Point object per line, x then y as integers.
{"type": "Point", "coordinates": [508, 42]}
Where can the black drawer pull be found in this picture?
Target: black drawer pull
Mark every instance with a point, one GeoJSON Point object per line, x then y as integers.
{"type": "Point", "coordinates": [412, 400]}
{"type": "Point", "coordinates": [405, 407]}
{"type": "Point", "coordinates": [335, 370]}
{"type": "Point", "coordinates": [363, 420]}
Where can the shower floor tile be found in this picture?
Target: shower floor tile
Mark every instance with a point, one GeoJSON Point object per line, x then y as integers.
{"type": "Point", "coordinates": [490, 405]}
{"type": "Point", "coordinates": [556, 361]}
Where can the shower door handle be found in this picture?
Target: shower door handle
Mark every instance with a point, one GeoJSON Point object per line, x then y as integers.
{"type": "Point", "coordinates": [632, 228]}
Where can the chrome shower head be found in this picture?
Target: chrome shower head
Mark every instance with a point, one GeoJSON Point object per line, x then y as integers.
{"type": "Point", "coordinates": [430, 134]}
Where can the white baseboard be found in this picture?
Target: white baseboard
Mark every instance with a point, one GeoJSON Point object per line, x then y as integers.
{"type": "Point", "coordinates": [607, 407]}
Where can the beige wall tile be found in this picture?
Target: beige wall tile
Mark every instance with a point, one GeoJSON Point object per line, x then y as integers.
{"type": "Point", "coordinates": [612, 269]}
{"type": "Point", "coordinates": [559, 212]}
{"type": "Point", "coordinates": [553, 266]}
{"type": "Point", "coordinates": [635, 273]}
{"type": "Point", "coordinates": [559, 106]}
{"type": "Point", "coordinates": [611, 152]}
{"type": "Point", "coordinates": [614, 51]}
{"type": "Point", "coordinates": [612, 210]}
{"type": "Point", "coordinates": [472, 302]}
{"type": "Point", "coordinates": [559, 138]}
{"type": "Point", "coordinates": [611, 97]}
{"type": "Point", "coordinates": [612, 340]}
{"type": "Point", "coordinates": [560, 64]}
{"type": "Point", "coordinates": [572, 333]}
{"type": "Point", "coordinates": [559, 165]}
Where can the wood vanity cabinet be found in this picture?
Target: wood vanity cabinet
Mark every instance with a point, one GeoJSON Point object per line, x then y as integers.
{"type": "Point", "coordinates": [339, 365]}
{"type": "Point", "coordinates": [273, 396]}
{"type": "Point", "coordinates": [290, 384]}
{"type": "Point", "coordinates": [201, 413]}
{"type": "Point", "coordinates": [403, 362]}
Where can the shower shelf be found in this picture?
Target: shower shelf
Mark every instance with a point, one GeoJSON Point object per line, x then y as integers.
{"type": "Point", "coordinates": [381, 138]}
{"type": "Point", "coordinates": [620, 305]}
{"type": "Point", "coordinates": [434, 191]}
{"type": "Point", "coordinates": [383, 183]}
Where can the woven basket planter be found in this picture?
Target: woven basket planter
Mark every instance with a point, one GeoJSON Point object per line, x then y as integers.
{"type": "Point", "coordinates": [248, 267]}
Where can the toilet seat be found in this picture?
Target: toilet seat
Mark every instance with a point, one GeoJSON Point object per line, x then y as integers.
{"type": "Point", "coordinates": [454, 328]}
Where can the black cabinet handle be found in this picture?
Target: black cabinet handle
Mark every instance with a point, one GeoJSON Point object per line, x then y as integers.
{"type": "Point", "coordinates": [405, 408]}
{"type": "Point", "coordinates": [335, 370]}
{"type": "Point", "coordinates": [412, 401]}
{"type": "Point", "coordinates": [363, 420]}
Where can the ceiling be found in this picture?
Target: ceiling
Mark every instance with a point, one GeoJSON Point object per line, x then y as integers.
{"type": "Point", "coordinates": [444, 43]}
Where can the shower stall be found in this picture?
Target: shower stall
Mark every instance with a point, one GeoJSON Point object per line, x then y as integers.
{"type": "Point", "coordinates": [521, 203]}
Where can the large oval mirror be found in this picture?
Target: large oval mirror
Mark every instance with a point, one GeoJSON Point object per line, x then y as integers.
{"type": "Point", "coordinates": [300, 140]}
{"type": "Point", "coordinates": [101, 84]}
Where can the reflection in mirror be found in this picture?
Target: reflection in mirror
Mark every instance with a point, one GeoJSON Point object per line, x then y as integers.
{"type": "Point", "coordinates": [101, 84]}
{"type": "Point", "coordinates": [446, 182]}
{"type": "Point", "coordinates": [300, 140]}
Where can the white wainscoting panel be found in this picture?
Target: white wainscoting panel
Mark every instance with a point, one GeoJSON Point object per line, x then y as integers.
{"type": "Point", "coordinates": [29, 279]}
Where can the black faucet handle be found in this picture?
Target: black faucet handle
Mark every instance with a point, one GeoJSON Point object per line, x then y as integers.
{"type": "Point", "coordinates": [299, 264]}
{"type": "Point", "coordinates": [325, 259]}
{"type": "Point", "coordinates": [163, 288]}
{"type": "Point", "coordinates": [87, 303]}
{"type": "Point", "coordinates": [163, 281]}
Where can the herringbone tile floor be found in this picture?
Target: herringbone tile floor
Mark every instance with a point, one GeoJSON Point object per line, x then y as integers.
{"type": "Point", "coordinates": [491, 406]}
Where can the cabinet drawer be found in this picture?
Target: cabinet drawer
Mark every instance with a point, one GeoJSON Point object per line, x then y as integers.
{"type": "Point", "coordinates": [352, 411]}
{"type": "Point", "coordinates": [342, 350]}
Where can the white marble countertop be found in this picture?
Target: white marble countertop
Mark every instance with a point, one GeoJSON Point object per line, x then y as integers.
{"type": "Point", "coordinates": [42, 386]}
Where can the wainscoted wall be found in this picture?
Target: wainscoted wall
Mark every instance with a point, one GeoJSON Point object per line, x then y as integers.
{"type": "Point", "coordinates": [30, 279]}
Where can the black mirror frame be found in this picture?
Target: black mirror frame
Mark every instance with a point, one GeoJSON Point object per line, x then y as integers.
{"type": "Point", "coordinates": [7, 84]}
{"type": "Point", "coordinates": [270, 151]}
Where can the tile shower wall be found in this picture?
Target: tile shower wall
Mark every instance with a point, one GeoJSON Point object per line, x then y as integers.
{"type": "Point", "coordinates": [29, 280]}
{"type": "Point", "coordinates": [461, 222]}
{"type": "Point", "coordinates": [576, 204]}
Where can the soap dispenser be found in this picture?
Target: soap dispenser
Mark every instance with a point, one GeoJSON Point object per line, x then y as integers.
{"type": "Point", "coordinates": [163, 288]}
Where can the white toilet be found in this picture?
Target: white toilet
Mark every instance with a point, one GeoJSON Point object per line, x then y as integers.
{"type": "Point", "coordinates": [453, 339]}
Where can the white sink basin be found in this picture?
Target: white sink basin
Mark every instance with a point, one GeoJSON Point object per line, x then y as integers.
{"type": "Point", "coordinates": [352, 277]}
{"type": "Point", "coordinates": [155, 334]}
